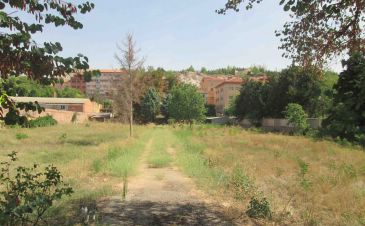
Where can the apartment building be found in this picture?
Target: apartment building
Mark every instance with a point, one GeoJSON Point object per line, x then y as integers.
{"type": "Point", "coordinates": [225, 92]}
{"type": "Point", "coordinates": [106, 84]}
{"type": "Point", "coordinates": [207, 86]}
{"type": "Point", "coordinates": [77, 82]}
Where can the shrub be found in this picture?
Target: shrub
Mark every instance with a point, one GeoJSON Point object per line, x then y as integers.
{"type": "Point", "coordinates": [44, 121]}
{"type": "Point", "coordinates": [259, 208]}
{"type": "Point", "coordinates": [74, 117]}
{"type": "Point", "coordinates": [241, 183]}
{"type": "Point", "coordinates": [303, 170]}
{"type": "Point", "coordinates": [21, 136]}
{"type": "Point", "coordinates": [26, 194]}
{"type": "Point", "coordinates": [295, 114]}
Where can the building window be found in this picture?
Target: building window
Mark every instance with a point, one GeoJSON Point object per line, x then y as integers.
{"type": "Point", "coordinates": [63, 107]}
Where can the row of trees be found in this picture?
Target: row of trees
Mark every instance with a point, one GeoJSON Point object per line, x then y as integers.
{"type": "Point", "coordinates": [339, 100]}
{"type": "Point", "coordinates": [305, 86]}
{"type": "Point", "coordinates": [23, 86]}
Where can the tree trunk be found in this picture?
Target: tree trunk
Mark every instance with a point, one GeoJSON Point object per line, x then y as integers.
{"type": "Point", "coordinates": [131, 106]}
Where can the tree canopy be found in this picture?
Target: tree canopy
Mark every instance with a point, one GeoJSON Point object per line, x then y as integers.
{"type": "Point", "coordinates": [347, 116]}
{"type": "Point", "coordinates": [150, 105]}
{"type": "Point", "coordinates": [319, 29]}
{"type": "Point", "coordinates": [20, 20]}
{"type": "Point", "coordinates": [19, 54]}
{"type": "Point", "coordinates": [23, 86]}
{"type": "Point", "coordinates": [186, 104]}
{"type": "Point", "coordinates": [295, 84]}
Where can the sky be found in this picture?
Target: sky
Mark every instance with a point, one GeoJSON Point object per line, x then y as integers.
{"type": "Point", "coordinates": [175, 34]}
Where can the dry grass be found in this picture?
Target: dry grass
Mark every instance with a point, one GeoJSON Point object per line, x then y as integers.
{"type": "Point", "coordinates": [81, 153]}
{"type": "Point", "coordinates": [306, 182]}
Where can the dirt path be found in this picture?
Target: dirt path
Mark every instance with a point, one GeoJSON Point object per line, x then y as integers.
{"type": "Point", "coordinates": [161, 196]}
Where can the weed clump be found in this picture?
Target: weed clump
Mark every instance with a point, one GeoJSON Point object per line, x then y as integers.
{"type": "Point", "coordinates": [44, 121]}
{"type": "Point", "coordinates": [259, 208]}
{"type": "Point", "coordinates": [21, 136]}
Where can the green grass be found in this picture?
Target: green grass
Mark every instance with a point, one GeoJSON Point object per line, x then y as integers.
{"type": "Point", "coordinates": [21, 136]}
{"type": "Point", "coordinates": [159, 156]}
{"type": "Point", "coordinates": [193, 162]}
{"type": "Point", "coordinates": [122, 161]}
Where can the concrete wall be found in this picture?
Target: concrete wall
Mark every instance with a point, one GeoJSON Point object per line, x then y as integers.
{"type": "Point", "coordinates": [272, 124]}
{"type": "Point", "coordinates": [269, 124]}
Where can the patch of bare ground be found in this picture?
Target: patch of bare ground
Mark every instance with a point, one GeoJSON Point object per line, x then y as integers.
{"type": "Point", "coordinates": [161, 196]}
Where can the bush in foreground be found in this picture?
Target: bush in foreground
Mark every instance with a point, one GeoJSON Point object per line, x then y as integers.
{"type": "Point", "coordinates": [26, 193]}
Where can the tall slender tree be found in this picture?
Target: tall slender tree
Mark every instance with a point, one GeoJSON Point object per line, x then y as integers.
{"type": "Point", "coordinates": [128, 59]}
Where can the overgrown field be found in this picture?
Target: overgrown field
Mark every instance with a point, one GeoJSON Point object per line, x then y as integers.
{"type": "Point", "coordinates": [92, 158]}
{"type": "Point", "coordinates": [299, 180]}
{"type": "Point", "coordinates": [289, 180]}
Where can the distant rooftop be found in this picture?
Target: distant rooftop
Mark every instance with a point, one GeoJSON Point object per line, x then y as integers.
{"type": "Point", "coordinates": [50, 100]}
{"type": "Point", "coordinates": [231, 80]}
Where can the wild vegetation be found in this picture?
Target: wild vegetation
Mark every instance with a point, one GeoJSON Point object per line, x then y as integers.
{"type": "Point", "coordinates": [259, 177]}
{"type": "Point", "coordinates": [92, 158]}
{"type": "Point", "coordinates": [287, 180]}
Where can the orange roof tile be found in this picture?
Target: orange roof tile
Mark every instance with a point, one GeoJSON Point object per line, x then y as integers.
{"type": "Point", "coordinates": [231, 81]}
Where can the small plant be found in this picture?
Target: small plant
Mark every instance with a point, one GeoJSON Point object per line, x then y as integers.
{"type": "Point", "coordinates": [97, 165]}
{"type": "Point", "coordinates": [26, 194]}
{"type": "Point", "coordinates": [296, 116]}
{"type": "Point", "coordinates": [44, 121]}
{"type": "Point", "coordinates": [62, 139]}
{"type": "Point", "coordinates": [303, 170]}
{"type": "Point", "coordinates": [348, 170]}
{"type": "Point", "coordinates": [21, 136]}
{"type": "Point", "coordinates": [241, 183]}
{"type": "Point", "coordinates": [125, 186]}
{"type": "Point", "coordinates": [74, 117]}
{"type": "Point", "coordinates": [259, 208]}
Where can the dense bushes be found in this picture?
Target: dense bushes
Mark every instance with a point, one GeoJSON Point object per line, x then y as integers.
{"type": "Point", "coordinates": [42, 122]}
{"type": "Point", "coordinates": [305, 87]}
{"type": "Point", "coordinates": [252, 103]}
